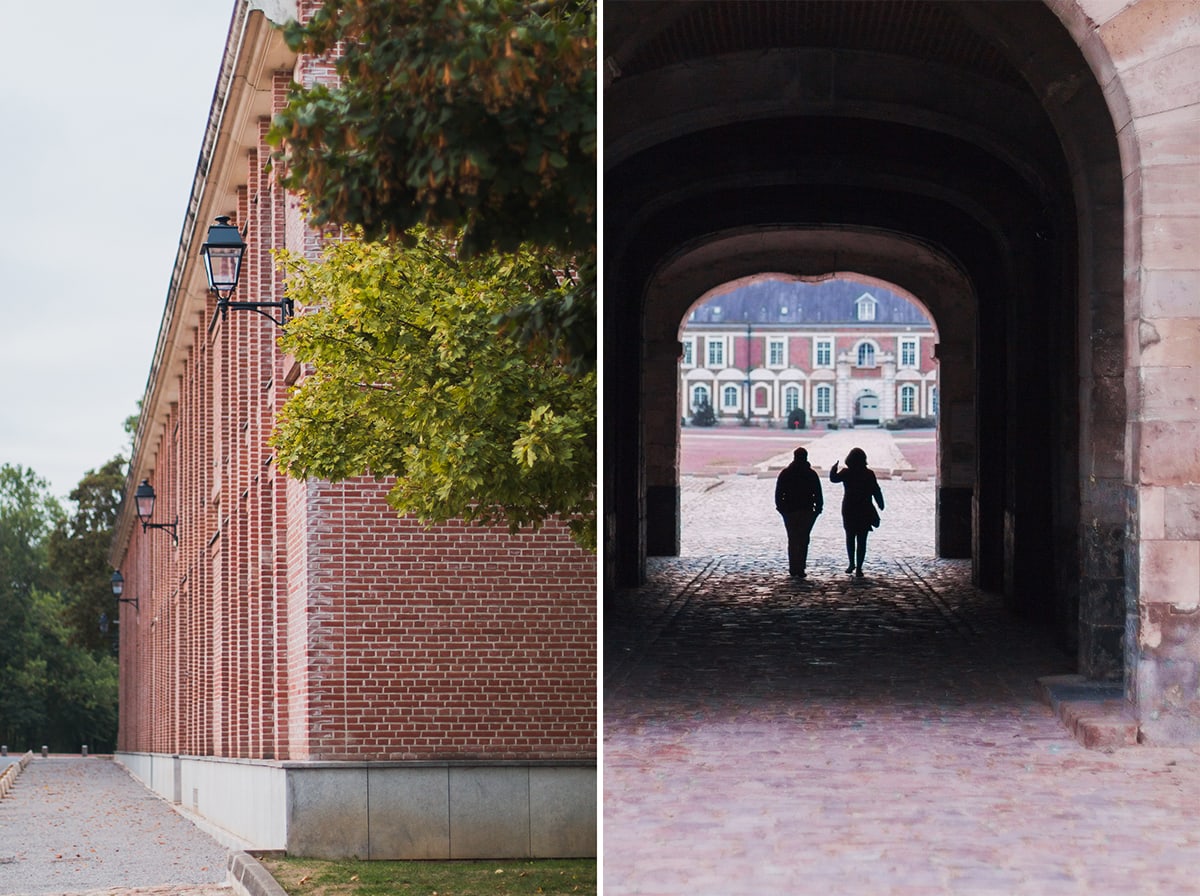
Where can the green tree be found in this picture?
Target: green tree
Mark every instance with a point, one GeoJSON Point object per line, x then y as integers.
{"type": "Point", "coordinates": [53, 690]}
{"type": "Point", "coordinates": [476, 117]}
{"type": "Point", "coordinates": [78, 552]}
{"type": "Point", "coordinates": [410, 379]}
{"type": "Point", "coordinates": [28, 513]}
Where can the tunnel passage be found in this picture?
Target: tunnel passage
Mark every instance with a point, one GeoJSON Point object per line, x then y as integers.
{"type": "Point", "coordinates": [962, 151]}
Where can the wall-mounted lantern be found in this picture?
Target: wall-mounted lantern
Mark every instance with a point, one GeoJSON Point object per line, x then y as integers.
{"type": "Point", "coordinates": [143, 500]}
{"type": "Point", "coordinates": [118, 588]}
{"type": "Point", "coordinates": [223, 253]}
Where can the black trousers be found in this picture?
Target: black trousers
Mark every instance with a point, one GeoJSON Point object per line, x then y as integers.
{"type": "Point", "coordinates": [799, 525]}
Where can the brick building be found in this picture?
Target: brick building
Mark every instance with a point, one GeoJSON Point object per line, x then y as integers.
{"type": "Point", "coordinates": [302, 670]}
{"type": "Point", "coordinates": [839, 350]}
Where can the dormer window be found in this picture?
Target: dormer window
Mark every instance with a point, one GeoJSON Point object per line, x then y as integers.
{"type": "Point", "coordinates": [865, 307]}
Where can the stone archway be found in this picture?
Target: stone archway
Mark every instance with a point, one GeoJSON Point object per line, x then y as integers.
{"type": "Point", "coordinates": [981, 133]}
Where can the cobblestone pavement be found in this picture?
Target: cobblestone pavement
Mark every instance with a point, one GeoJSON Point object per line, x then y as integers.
{"type": "Point", "coordinates": [874, 736]}
{"type": "Point", "coordinates": [75, 826]}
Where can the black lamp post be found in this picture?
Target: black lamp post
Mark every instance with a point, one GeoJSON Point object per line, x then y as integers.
{"type": "Point", "coordinates": [118, 586]}
{"type": "Point", "coordinates": [143, 500]}
{"type": "Point", "coordinates": [223, 253]}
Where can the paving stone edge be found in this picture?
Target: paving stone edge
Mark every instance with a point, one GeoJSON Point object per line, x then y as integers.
{"type": "Point", "coordinates": [249, 878]}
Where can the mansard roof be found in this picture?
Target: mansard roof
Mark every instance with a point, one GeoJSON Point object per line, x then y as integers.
{"type": "Point", "coordinates": [794, 302]}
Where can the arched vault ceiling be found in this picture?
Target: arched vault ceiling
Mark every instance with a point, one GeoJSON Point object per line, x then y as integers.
{"type": "Point", "coordinates": [659, 35]}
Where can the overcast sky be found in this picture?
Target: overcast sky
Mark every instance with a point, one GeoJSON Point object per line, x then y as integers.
{"type": "Point", "coordinates": [102, 114]}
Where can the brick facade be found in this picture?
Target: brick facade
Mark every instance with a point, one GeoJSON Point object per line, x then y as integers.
{"type": "Point", "coordinates": [816, 366]}
{"type": "Point", "coordinates": [303, 621]}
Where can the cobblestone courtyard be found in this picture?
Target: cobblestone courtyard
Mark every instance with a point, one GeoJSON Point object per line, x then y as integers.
{"type": "Point", "coordinates": [874, 736]}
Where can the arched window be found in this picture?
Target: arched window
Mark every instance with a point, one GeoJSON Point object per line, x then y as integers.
{"type": "Point", "coordinates": [866, 354]}
{"type": "Point", "coordinates": [908, 399]}
{"type": "Point", "coordinates": [824, 401]}
{"type": "Point", "coordinates": [791, 398]}
{"type": "Point", "coordinates": [729, 397]}
{"type": "Point", "coordinates": [933, 400]}
{"type": "Point", "coordinates": [699, 397]}
{"type": "Point", "coordinates": [762, 399]}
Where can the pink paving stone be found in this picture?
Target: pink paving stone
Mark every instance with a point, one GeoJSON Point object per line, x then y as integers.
{"type": "Point", "coordinates": [845, 737]}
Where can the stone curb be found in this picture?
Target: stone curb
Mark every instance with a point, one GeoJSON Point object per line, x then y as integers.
{"type": "Point", "coordinates": [12, 772]}
{"type": "Point", "coordinates": [249, 878]}
{"type": "Point", "coordinates": [1095, 713]}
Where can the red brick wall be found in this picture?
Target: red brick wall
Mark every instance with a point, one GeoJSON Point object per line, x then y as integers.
{"type": "Point", "coordinates": [444, 642]}
{"type": "Point", "coordinates": [304, 619]}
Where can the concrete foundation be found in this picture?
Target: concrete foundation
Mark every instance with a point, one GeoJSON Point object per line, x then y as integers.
{"type": "Point", "coordinates": [383, 810]}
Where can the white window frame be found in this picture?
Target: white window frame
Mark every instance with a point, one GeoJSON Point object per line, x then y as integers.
{"type": "Point", "coordinates": [823, 401]}
{"type": "Point", "coordinates": [717, 343]}
{"type": "Point", "coordinates": [865, 350]}
{"type": "Point", "coordinates": [908, 400]}
{"type": "Point", "coordinates": [777, 343]}
{"type": "Point", "coordinates": [793, 398]}
{"type": "Point", "coordinates": [827, 345]}
{"type": "Point", "coordinates": [909, 352]}
{"type": "Point", "coordinates": [864, 307]}
{"type": "Point", "coordinates": [689, 352]}
{"type": "Point", "coordinates": [731, 390]}
{"type": "Point", "coordinates": [696, 391]}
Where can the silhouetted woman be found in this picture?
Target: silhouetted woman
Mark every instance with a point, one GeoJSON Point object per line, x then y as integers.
{"type": "Point", "coordinates": [859, 515]}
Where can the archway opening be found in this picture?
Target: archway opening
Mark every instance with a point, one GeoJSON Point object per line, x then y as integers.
{"type": "Point", "coordinates": [960, 159]}
{"type": "Point", "coordinates": [826, 363]}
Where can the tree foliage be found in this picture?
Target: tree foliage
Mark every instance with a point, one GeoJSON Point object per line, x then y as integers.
{"type": "Point", "coordinates": [476, 117]}
{"type": "Point", "coordinates": [473, 114]}
{"type": "Point", "coordinates": [410, 379]}
{"type": "Point", "coordinates": [78, 552]}
{"type": "Point", "coordinates": [58, 684]}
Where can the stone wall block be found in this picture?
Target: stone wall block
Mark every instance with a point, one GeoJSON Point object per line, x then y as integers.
{"type": "Point", "coordinates": [1181, 513]}
{"type": "Point", "coordinates": [1169, 294]}
{"type": "Point", "coordinates": [1170, 573]}
{"type": "Point", "coordinates": [1102, 555]}
{"type": "Point", "coordinates": [1171, 343]}
{"type": "Point", "coordinates": [1169, 242]}
{"type": "Point", "coordinates": [1168, 452]}
{"type": "Point", "coordinates": [1148, 30]}
{"type": "Point", "coordinates": [1165, 82]}
{"type": "Point", "coordinates": [1104, 451]}
{"type": "Point", "coordinates": [1102, 601]}
{"type": "Point", "coordinates": [1169, 633]}
{"type": "Point", "coordinates": [1101, 651]}
{"type": "Point", "coordinates": [1172, 189]}
{"type": "Point", "coordinates": [1108, 360]}
{"type": "Point", "coordinates": [1148, 519]}
{"type": "Point", "coordinates": [1170, 393]}
{"type": "Point", "coordinates": [1169, 701]}
{"type": "Point", "coordinates": [1171, 137]}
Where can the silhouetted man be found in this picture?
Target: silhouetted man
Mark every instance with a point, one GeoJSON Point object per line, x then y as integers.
{"type": "Point", "coordinates": [799, 500]}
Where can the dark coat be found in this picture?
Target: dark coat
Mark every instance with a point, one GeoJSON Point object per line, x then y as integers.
{"type": "Point", "coordinates": [799, 488]}
{"type": "Point", "coordinates": [860, 484]}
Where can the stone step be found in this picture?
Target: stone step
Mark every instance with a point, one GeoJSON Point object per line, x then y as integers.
{"type": "Point", "coordinates": [1095, 712]}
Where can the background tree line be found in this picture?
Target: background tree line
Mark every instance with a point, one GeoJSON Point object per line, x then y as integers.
{"type": "Point", "coordinates": [58, 670]}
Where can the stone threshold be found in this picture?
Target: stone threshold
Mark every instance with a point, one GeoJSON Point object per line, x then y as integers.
{"type": "Point", "coordinates": [1095, 712]}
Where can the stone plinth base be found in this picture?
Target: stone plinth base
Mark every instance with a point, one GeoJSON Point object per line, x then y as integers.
{"type": "Point", "coordinates": [384, 810]}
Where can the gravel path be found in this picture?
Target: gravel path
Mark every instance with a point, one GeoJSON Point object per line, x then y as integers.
{"type": "Point", "coordinates": [73, 825]}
